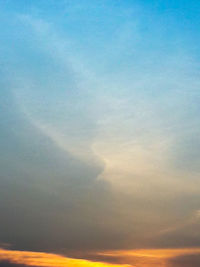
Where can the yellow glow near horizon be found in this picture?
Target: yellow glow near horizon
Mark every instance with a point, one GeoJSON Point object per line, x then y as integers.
{"type": "Point", "coordinates": [48, 259]}
{"type": "Point", "coordinates": [131, 258]}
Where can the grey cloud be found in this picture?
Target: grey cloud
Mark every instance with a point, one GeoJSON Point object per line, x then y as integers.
{"type": "Point", "coordinates": [10, 264]}
{"type": "Point", "coordinates": [184, 233]}
{"type": "Point", "coordinates": [48, 198]}
{"type": "Point", "coordinates": [186, 152]}
{"type": "Point", "coordinates": [192, 260]}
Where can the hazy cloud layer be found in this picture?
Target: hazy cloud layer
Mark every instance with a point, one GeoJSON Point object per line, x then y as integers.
{"type": "Point", "coordinates": [185, 261]}
{"type": "Point", "coordinates": [99, 126]}
{"type": "Point", "coordinates": [9, 264]}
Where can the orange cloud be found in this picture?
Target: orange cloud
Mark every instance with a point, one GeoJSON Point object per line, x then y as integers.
{"type": "Point", "coordinates": [48, 260]}
{"type": "Point", "coordinates": [157, 253]}
{"type": "Point", "coordinates": [149, 257]}
{"type": "Point", "coordinates": [123, 258]}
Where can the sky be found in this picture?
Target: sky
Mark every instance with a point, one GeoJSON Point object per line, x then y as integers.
{"type": "Point", "coordinates": [99, 133]}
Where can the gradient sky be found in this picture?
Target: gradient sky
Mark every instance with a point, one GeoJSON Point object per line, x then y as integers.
{"type": "Point", "coordinates": [100, 133]}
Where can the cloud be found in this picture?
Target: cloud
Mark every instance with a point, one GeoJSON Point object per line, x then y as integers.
{"type": "Point", "coordinates": [96, 157]}
{"type": "Point", "coordinates": [185, 261]}
{"type": "Point", "coordinates": [27, 258]}
{"type": "Point", "coordinates": [9, 264]}
{"type": "Point", "coordinates": [154, 257]}
{"type": "Point", "coordinates": [132, 258]}
{"type": "Point", "coordinates": [51, 196]}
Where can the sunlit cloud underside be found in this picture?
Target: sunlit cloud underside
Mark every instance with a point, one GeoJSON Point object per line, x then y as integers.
{"type": "Point", "coordinates": [46, 259]}
{"type": "Point", "coordinates": [133, 258]}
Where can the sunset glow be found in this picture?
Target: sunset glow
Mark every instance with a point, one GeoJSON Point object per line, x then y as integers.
{"type": "Point", "coordinates": [132, 258]}
{"type": "Point", "coordinates": [48, 260]}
